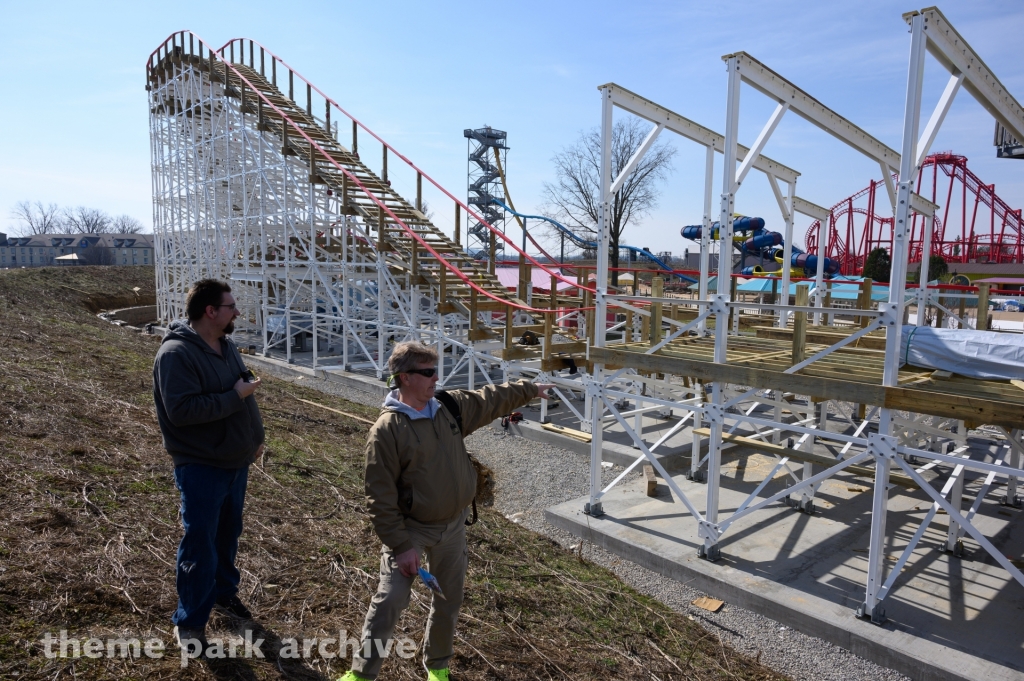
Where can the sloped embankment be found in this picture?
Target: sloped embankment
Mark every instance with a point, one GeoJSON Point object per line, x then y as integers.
{"type": "Point", "coordinates": [89, 528]}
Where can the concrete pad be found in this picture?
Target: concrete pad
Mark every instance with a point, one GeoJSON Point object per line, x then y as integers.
{"type": "Point", "coordinates": [949, 618]}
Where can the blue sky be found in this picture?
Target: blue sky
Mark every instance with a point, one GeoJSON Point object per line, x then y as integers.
{"type": "Point", "coordinates": [75, 122]}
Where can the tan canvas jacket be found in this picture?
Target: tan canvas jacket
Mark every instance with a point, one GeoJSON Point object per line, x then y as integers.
{"type": "Point", "coordinates": [418, 471]}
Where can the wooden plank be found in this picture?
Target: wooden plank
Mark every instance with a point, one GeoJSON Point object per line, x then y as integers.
{"type": "Point", "coordinates": [978, 410]}
{"type": "Point", "coordinates": [568, 432]}
{"type": "Point", "coordinates": [651, 480]}
{"type": "Point", "coordinates": [809, 457]}
{"type": "Point", "coordinates": [757, 378]}
{"type": "Point", "coordinates": [800, 325]}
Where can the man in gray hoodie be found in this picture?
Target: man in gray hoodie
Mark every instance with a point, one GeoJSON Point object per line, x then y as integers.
{"type": "Point", "coordinates": [212, 429]}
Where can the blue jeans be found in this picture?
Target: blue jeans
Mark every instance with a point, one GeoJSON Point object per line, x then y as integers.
{"type": "Point", "coordinates": [211, 513]}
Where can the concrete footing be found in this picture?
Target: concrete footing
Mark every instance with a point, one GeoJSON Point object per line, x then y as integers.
{"type": "Point", "coordinates": [949, 617]}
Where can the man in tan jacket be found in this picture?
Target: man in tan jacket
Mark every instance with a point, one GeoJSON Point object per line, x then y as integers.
{"type": "Point", "coordinates": [419, 486]}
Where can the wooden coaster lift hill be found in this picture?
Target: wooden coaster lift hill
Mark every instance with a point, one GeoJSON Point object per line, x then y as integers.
{"type": "Point", "coordinates": [253, 186]}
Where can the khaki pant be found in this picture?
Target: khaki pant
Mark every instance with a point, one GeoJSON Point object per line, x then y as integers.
{"type": "Point", "coordinates": [445, 549]}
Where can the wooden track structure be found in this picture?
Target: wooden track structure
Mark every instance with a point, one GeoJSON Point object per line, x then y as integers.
{"type": "Point", "coordinates": [397, 238]}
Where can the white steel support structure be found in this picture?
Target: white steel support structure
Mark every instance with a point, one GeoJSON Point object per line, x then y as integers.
{"type": "Point", "coordinates": [902, 441]}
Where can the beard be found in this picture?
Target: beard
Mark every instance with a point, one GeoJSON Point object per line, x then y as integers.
{"type": "Point", "coordinates": [230, 328]}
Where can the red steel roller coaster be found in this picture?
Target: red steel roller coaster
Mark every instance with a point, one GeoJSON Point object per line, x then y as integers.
{"type": "Point", "coordinates": [972, 225]}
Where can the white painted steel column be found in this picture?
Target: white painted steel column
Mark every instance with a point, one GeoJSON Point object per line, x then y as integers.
{"type": "Point", "coordinates": [709, 549]}
{"type": "Point", "coordinates": [265, 293]}
{"type": "Point", "coordinates": [705, 230]}
{"type": "Point", "coordinates": [787, 254]}
{"type": "Point", "coordinates": [819, 273]}
{"type": "Point", "coordinates": [1014, 461]}
{"type": "Point", "coordinates": [956, 500]}
{"type": "Point", "coordinates": [595, 389]}
{"type": "Point", "coordinates": [695, 443]}
{"type": "Point", "coordinates": [285, 221]}
{"type": "Point", "coordinates": [897, 288]}
{"type": "Point", "coordinates": [312, 270]}
{"type": "Point", "coordinates": [348, 271]}
{"type": "Point", "coordinates": [922, 284]}
{"type": "Point", "coordinates": [381, 333]}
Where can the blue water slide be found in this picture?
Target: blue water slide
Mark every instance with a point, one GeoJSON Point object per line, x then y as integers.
{"type": "Point", "coordinates": [592, 245]}
{"type": "Point", "coordinates": [750, 237]}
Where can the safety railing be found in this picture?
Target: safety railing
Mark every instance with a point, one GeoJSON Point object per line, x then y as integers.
{"type": "Point", "coordinates": [237, 49]}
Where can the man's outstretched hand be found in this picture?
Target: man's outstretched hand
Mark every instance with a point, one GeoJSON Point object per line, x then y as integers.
{"type": "Point", "coordinates": [544, 390]}
{"type": "Point", "coordinates": [408, 562]}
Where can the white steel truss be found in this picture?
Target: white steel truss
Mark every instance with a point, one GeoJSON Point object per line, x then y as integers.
{"type": "Point", "coordinates": [886, 444]}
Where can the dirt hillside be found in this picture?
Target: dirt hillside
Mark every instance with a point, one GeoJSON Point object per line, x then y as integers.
{"type": "Point", "coordinates": [90, 527]}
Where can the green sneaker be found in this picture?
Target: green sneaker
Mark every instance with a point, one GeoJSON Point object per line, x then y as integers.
{"type": "Point", "coordinates": [438, 675]}
{"type": "Point", "coordinates": [352, 676]}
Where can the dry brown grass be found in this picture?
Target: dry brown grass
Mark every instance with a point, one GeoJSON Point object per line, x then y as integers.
{"type": "Point", "coordinates": [89, 528]}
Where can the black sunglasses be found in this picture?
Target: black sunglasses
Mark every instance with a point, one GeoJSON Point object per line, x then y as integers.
{"type": "Point", "coordinates": [428, 373]}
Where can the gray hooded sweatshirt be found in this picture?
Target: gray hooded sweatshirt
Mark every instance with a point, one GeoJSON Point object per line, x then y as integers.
{"type": "Point", "coordinates": [202, 417]}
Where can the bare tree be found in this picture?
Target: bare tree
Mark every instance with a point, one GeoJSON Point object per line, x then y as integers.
{"type": "Point", "coordinates": [84, 220]}
{"type": "Point", "coordinates": [576, 194]}
{"type": "Point", "coordinates": [126, 224]}
{"type": "Point", "coordinates": [35, 218]}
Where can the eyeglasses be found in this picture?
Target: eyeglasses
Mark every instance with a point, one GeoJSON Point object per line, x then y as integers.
{"type": "Point", "coordinates": [428, 373]}
{"type": "Point", "coordinates": [233, 306]}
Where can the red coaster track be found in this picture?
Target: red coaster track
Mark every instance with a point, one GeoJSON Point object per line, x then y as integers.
{"type": "Point", "coordinates": [973, 224]}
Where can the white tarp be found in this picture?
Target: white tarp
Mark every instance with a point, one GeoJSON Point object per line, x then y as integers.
{"type": "Point", "coordinates": [978, 354]}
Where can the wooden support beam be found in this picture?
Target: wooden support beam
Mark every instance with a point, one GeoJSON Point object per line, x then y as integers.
{"type": "Point", "coordinates": [492, 252]}
{"type": "Point", "coordinates": [808, 457]}
{"type": "Point", "coordinates": [548, 337]}
{"type": "Point", "coordinates": [657, 291]}
{"type": "Point", "coordinates": [800, 325]}
{"type": "Point", "coordinates": [473, 308]}
{"type": "Point", "coordinates": [533, 352]}
{"type": "Point", "coordinates": [983, 292]}
{"type": "Point", "coordinates": [831, 337]}
{"type": "Point", "coordinates": [509, 314]}
{"type": "Point", "coordinates": [458, 224]}
{"type": "Point", "coordinates": [983, 410]}
{"type": "Point", "coordinates": [864, 300]}
{"type": "Point", "coordinates": [650, 480]}
{"type": "Point", "coordinates": [313, 177]}
{"type": "Point", "coordinates": [568, 432]}
{"type": "Point", "coordinates": [484, 333]}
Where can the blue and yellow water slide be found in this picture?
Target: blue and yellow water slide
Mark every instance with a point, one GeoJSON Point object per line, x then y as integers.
{"type": "Point", "coordinates": [751, 238]}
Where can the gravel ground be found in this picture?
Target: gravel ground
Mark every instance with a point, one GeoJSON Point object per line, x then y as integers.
{"type": "Point", "coordinates": [532, 476]}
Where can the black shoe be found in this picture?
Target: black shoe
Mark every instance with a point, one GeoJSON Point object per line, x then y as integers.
{"type": "Point", "coordinates": [192, 641]}
{"type": "Point", "coordinates": [234, 607]}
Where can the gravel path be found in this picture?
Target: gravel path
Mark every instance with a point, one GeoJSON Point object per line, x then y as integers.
{"type": "Point", "coordinates": [532, 476]}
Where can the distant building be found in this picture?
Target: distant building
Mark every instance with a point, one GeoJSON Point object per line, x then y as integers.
{"type": "Point", "coordinates": [76, 249]}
